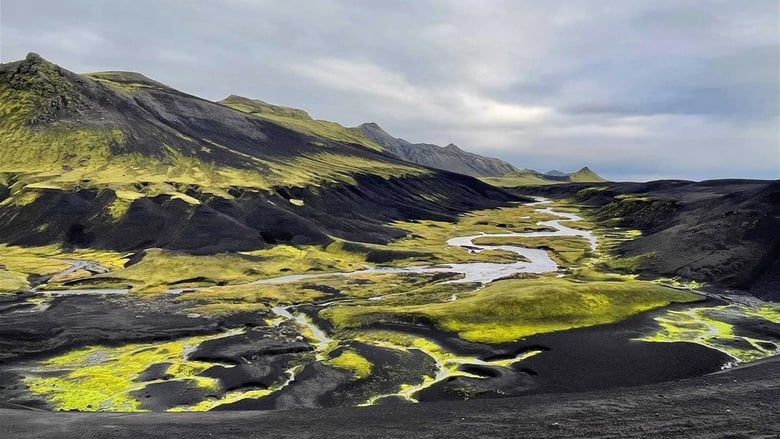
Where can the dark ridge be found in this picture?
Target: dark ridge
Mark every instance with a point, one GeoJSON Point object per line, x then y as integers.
{"type": "Point", "coordinates": [450, 157]}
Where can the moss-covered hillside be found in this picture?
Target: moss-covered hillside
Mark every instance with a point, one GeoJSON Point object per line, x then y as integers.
{"type": "Point", "coordinates": [116, 160]}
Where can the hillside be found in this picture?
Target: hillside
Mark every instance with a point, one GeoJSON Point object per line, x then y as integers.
{"type": "Point", "coordinates": [529, 177]}
{"type": "Point", "coordinates": [722, 232]}
{"type": "Point", "coordinates": [119, 161]}
{"type": "Point", "coordinates": [450, 157]}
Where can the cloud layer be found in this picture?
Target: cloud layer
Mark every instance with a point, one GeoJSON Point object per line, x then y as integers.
{"type": "Point", "coordinates": [636, 90]}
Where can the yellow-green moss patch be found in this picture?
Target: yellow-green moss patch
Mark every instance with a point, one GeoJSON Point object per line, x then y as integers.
{"type": "Point", "coordinates": [103, 378]}
{"type": "Point", "coordinates": [513, 309]}
{"type": "Point", "coordinates": [352, 361]}
{"type": "Point", "coordinates": [709, 326]}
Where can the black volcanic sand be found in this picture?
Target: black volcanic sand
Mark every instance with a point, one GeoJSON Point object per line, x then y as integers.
{"type": "Point", "coordinates": [738, 403]}
{"type": "Point", "coordinates": [166, 395]}
{"type": "Point", "coordinates": [318, 385]}
{"type": "Point", "coordinates": [597, 357]}
{"type": "Point", "coordinates": [390, 368]}
{"type": "Point", "coordinates": [605, 356]}
{"type": "Point", "coordinates": [72, 322]}
{"type": "Point", "coordinates": [257, 359]}
{"type": "Point", "coordinates": [76, 321]}
{"type": "Point", "coordinates": [583, 359]}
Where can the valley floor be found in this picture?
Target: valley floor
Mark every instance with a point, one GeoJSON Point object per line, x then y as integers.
{"type": "Point", "coordinates": [738, 403]}
{"type": "Point", "coordinates": [511, 302]}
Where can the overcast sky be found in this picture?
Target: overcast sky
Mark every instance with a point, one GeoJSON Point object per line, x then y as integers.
{"type": "Point", "coordinates": [634, 89]}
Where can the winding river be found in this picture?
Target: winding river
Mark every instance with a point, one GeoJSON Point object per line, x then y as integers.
{"type": "Point", "coordinates": [538, 261]}
{"type": "Point", "coordinates": [447, 365]}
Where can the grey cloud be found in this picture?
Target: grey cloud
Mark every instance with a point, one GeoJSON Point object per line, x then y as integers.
{"type": "Point", "coordinates": [641, 88]}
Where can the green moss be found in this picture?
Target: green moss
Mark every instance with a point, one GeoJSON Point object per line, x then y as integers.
{"type": "Point", "coordinates": [711, 327]}
{"type": "Point", "coordinates": [449, 365]}
{"type": "Point", "coordinates": [12, 282]}
{"type": "Point", "coordinates": [126, 82]}
{"type": "Point", "coordinates": [248, 297]}
{"type": "Point", "coordinates": [21, 263]}
{"type": "Point", "coordinates": [513, 309]}
{"type": "Point", "coordinates": [625, 264]}
{"type": "Point", "coordinates": [352, 361]}
{"type": "Point", "coordinates": [770, 312]}
{"type": "Point", "coordinates": [590, 191]}
{"type": "Point", "coordinates": [103, 378]}
{"type": "Point", "coordinates": [161, 269]}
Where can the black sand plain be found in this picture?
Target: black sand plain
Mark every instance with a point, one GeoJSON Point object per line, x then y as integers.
{"type": "Point", "coordinates": [738, 403]}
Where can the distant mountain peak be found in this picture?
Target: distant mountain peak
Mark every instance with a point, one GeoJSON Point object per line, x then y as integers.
{"type": "Point", "coordinates": [450, 157]}
{"type": "Point", "coordinates": [585, 174]}
{"type": "Point", "coordinates": [373, 127]}
{"type": "Point", "coordinates": [530, 177]}
{"type": "Point", "coordinates": [370, 125]}
{"type": "Point", "coordinates": [34, 57]}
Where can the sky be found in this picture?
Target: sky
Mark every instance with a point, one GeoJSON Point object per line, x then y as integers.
{"type": "Point", "coordinates": [636, 90]}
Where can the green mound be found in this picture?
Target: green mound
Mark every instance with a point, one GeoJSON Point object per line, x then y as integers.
{"type": "Point", "coordinates": [513, 309]}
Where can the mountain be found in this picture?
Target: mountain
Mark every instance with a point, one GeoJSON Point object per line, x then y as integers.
{"type": "Point", "coordinates": [117, 160]}
{"type": "Point", "coordinates": [450, 157]}
{"type": "Point", "coordinates": [585, 175]}
{"type": "Point", "coordinates": [529, 177]}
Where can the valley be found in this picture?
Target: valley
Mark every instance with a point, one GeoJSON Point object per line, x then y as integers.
{"type": "Point", "coordinates": [502, 302]}
{"type": "Point", "coordinates": [160, 252]}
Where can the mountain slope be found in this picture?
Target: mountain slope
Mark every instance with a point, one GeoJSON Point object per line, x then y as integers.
{"type": "Point", "coordinates": [450, 157]}
{"type": "Point", "coordinates": [117, 160]}
{"type": "Point", "coordinates": [529, 177]}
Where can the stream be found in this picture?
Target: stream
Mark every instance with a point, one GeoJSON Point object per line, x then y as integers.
{"type": "Point", "coordinates": [447, 365]}
{"type": "Point", "coordinates": [539, 261]}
